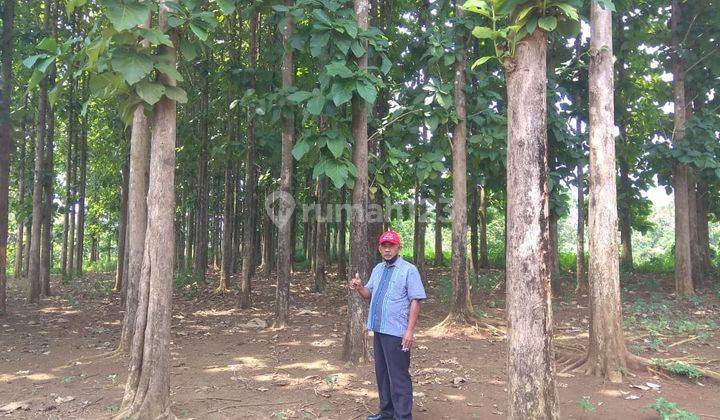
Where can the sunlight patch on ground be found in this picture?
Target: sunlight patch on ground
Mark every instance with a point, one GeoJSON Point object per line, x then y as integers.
{"type": "Point", "coordinates": [61, 310]}
{"type": "Point", "coordinates": [8, 377]}
{"type": "Point", "coordinates": [295, 343]}
{"type": "Point", "coordinates": [214, 312]}
{"type": "Point", "coordinates": [323, 343]}
{"type": "Point", "coordinates": [322, 364]}
{"type": "Point", "coordinates": [452, 397]}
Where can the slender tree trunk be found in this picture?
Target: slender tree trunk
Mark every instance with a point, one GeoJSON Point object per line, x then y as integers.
{"type": "Point", "coordinates": [34, 269]}
{"type": "Point", "coordinates": [189, 244]}
{"type": "Point", "coordinates": [321, 224]}
{"type": "Point", "coordinates": [580, 275]}
{"type": "Point", "coordinates": [531, 385]}
{"type": "Point", "coordinates": [355, 345]}
{"type": "Point", "coordinates": [68, 176]}
{"type": "Point", "coordinates": [250, 179]}
{"type": "Point", "coordinates": [683, 254]}
{"type": "Point", "coordinates": [461, 308]}
{"type": "Point", "coordinates": [137, 226]}
{"type": "Point", "coordinates": [484, 263]}
{"type": "Point", "coordinates": [438, 227]}
{"type": "Point", "coordinates": [226, 265]}
{"type": "Point", "coordinates": [416, 223]}
{"type": "Point", "coordinates": [5, 141]}
{"type": "Point", "coordinates": [80, 226]}
{"type": "Point", "coordinates": [626, 258]}
{"type": "Point", "coordinates": [122, 228]}
{"type": "Point", "coordinates": [554, 254]}
{"type": "Point", "coordinates": [606, 350]}
{"type": "Point", "coordinates": [20, 219]}
{"type": "Point", "coordinates": [474, 207]}
{"type": "Point", "coordinates": [286, 244]}
{"type": "Point", "coordinates": [703, 205]}
{"type": "Point", "coordinates": [93, 248]}
{"type": "Point", "coordinates": [201, 223]}
{"type": "Point", "coordinates": [694, 238]}
{"type": "Point", "coordinates": [48, 177]}
{"type": "Point", "coordinates": [147, 391]}
{"type": "Point", "coordinates": [342, 256]}
{"type": "Point", "coordinates": [71, 203]}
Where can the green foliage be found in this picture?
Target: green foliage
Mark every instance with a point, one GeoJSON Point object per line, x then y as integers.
{"type": "Point", "coordinates": [586, 405]}
{"type": "Point", "coordinates": [670, 411]}
{"type": "Point", "coordinates": [678, 368]}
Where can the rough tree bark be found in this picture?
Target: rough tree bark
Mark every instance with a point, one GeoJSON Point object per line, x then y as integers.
{"type": "Point", "coordinates": [147, 391]}
{"type": "Point", "coordinates": [34, 269]}
{"type": "Point", "coordinates": [531, 385]}
{"type": "Point", "coordinates": [342, 256]}
{"type": "Point", "coordinates": [250, 178]}
{"type": "Point", "coordinates": [201, 215]}
{"type": "Point", "coordinates": [683, 257]}
{"type": "Point", "coordinates": [461, 309]}
{"type": "Point", "coordinates": [321, 227]}
{"type": "Point", "coordinates": [5, 140]}
{"type": "Point", "coordinates": [438, 226]}
{"type": "Point", "coordinates": [354, 344]}
{"type": "Point", "coordinates": [82, 168]}
{"type": "Point", "coordinates": [484, 263]}
{"type": "Point", "coordinates": [122, 228]}
{"type": "Point", "coordinates": [137, 216]}
{"type": "Point", "coordinates": [606, 350]}
{"type": "Point", "coordinates": [286, 245]}
{"type": "Point", "coordinates": [581, 281]}
{"type": "Point", "coordinates": [474, 207]}
{"type": "Point", "coordinates": [71, 127]}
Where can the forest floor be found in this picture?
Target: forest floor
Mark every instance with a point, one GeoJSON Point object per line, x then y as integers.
{"type": "Point", "coordinates": [227, 364]}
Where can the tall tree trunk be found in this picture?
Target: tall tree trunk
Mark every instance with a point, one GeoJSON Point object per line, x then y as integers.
{"type": "Point", "coordinates": [461, 308]}
{"type": "Point", "coordinates": [606, 350]}
{"type": "Point", "coordinates": [703, 205]}
{"type": "Point", "coordinates": [484, 263]}
{"type": "Point", "coordinates": [190, 242]}
{"type": "Point", "coordinates": [626, 258]}
{"type": "Point", "coordinates": [19, 217]}
{"type": "Point", "coordinates": [416, 223]}
{"type": "Point", "coordinates": [581, 285]}
{"type": "Point", "coordinates": [354, 344]}
{"type": "Point", "coordinates": [122, 228]}
{"type": "Point", "coordinates": [554, 253]}
{"type": "Point", "coordinates": [694, 238]}
{"type": "Point", "coordinates": [342, 256]}
{"type": "Point", "coordinates": [93, 248]}
{"type": "Point", "coordinates": [68, 176]}
{"type": "Point", "coordinates": [137, 217]}
{"type": "Point", "coordinates": [71, 203]}
{"type": "Point", "coordinates": [5, 141]}
{"type": "Point", "coordinates": [34, 269]}
{"type": "Point", "coordinates": [683, 255]}
{"type": "Point", "coordinates": [286, 244]}
{"type": "Point", "coordinates": [250, 179]}
{"type": "Point", "coordinates": [48, 174]}
{"type": "Point", "coordinates": [80, 226]}
{"type": "Point", "coordinates": [438, 226]}
{"type": "Point", "coordinates": [531, 369]}
{"type": "Point", "coordinates": [226, 265]}
{"type": "Point", "coordinates": [201, 215]}
{"type": "Point", "coordinates": [321, 224]}
{"type": "Point", "coordinates": [147, 391]}
{"type": "Point", "coordinates": [474, 206]}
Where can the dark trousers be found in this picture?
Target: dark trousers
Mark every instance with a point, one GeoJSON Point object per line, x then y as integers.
{"type": "Point", "coordinates": [393, 378]}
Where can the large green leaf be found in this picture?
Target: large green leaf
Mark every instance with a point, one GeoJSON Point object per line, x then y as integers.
{"type": "Point", "coordinates": [367, 91]}
{"type": "Point", "coordinates": [70, 5]}
{"type": "Point", "coordinates": [150, 92]}
{"type": "Point", "coordinates": [482, 32]}
{"type": "Point", "coordinates": [338, 68]}
{"type": "Point", "coordinates": [226, 6]}
{"type": "Point", "coordinates": [549, 23]}
{"type": "Point", "coordinates": [336, 145]}
{"type": "Point", "coordinates": [199, 31]}
{"type": "Point", "coordinates": [300, 149]}
{"type": "Point", "coordinates": [176, 94]}
{"type": "Point", "coordinates": [188, 49]}
{"type": "Point", "coordinates": [299, 96]}
{"type": "Point", "coordinates": [128, 14]}
{"type": "Point", "coordinates": [337, 172]}
{"type": "Point", "coordinates": [133, 66]}
{"type": "Point", "coordinates": [316, 104]}
{"type": "Point", "coordinates": [48, 44]}
{"type": "Point", "coordinates": [169, 70]}
{"type": "Point", "coordinates": [322, 17]}
{"type": "Point", "coordinates": [341, 93]}
{"type": "Point", "coordinates": [155, 37]}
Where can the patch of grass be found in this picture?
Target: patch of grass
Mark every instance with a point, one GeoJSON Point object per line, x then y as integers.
{"type": "Point", "coordinates": [112, 408]}
{"type": "Point", "coordinates": [658, 264]}
{"type": "Point", "coordinates": [678, 368]}
{"type": "Point", "coordinates": [187, 283]}
{"type": "Point", "coordinates": [486, 282]}
{"type": "Point", "coordinates": [670, 411]}
{"type": "Point", "coordinates": [586, 405]}
{"type": "Point", "coordinates": [443, 289]}
{"type": "Point", "coordinates": [653, 342]}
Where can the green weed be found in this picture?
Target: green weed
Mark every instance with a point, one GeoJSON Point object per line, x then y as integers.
{"type": "Point", "coordinates": [678, 368]}
{"type": "Point", "coordinates": [670, 411]}
{"type": "Point", "coordinates": [586, 405]}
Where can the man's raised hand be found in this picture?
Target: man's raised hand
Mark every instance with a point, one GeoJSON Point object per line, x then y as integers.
{"type": "Point", "coordinates": [355, 282]}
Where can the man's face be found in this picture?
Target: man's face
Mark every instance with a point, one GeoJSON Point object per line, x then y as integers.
{"type": "Point", "coordinates": [388, 250]}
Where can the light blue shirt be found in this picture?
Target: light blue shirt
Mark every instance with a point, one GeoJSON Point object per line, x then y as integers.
{"type": "Point", "coordinates": [393, 287]}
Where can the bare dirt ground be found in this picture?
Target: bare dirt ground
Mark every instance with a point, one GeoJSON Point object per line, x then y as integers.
{"type": "Point", "coordinates": [227, 364]}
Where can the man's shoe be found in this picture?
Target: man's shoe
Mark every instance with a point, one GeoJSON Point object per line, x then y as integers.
{"type": "Point", "coordinates": [378, 416]}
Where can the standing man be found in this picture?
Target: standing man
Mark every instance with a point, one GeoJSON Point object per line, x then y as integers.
{"type": "Point", "coordinates": [395, 291]}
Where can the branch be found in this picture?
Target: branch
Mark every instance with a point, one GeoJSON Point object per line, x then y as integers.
{"type": "Point", "coordinates": [702, 58]}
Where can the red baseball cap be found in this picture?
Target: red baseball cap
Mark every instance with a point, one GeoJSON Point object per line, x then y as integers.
{"type": "Point", "coordinates": [389, 237]}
